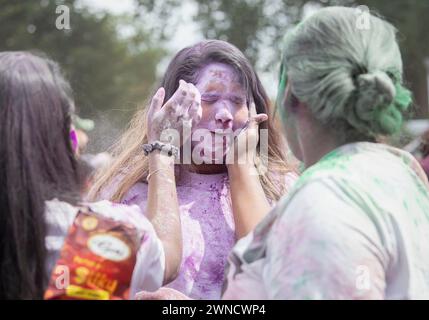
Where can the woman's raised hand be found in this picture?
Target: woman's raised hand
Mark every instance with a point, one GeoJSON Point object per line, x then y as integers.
{"type": "Point", "coordinates": [246, 141]}
{"type": "Point", "coordinates": [172, 122]}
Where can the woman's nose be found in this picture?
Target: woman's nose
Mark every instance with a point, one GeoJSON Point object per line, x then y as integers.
{"type": "Point", "coordinates": [223, 118]}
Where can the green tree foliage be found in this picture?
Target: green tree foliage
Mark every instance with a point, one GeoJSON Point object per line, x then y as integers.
{"type": "Point", "coordinates": [107, 71]}
{"type": "Point", "coordinates": [257, 27]}
{"type": "Point", "coordinates": [111, 74]}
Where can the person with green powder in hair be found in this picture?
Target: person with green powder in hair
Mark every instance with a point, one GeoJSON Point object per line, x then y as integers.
{"type": "Point", "coordinates": [356, 223]}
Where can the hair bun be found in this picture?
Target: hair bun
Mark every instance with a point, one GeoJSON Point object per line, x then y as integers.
{"type": "Point", "coordinates": [375, 110]}
{"type": "Point", "coordinates": [376, 85]}
{"type": "Point", "coordinates": [351, 81]}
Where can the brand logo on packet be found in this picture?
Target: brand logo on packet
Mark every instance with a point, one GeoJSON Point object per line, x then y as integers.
{"type": "Point", "coordinates": [109, 247]}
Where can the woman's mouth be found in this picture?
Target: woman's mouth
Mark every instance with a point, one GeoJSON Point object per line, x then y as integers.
{"type": "Point", "coordinates": [219, 147]}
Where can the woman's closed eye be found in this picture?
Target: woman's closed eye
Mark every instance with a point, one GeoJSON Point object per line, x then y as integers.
{"type": "Point", "coordinates": [237, 100]}
{"type": "Point", "coordinates": [210, 98]}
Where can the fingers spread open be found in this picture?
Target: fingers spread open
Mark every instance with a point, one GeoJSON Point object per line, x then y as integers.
{"type": "Point", "coordinates": [195, 111]}
{"type": "Point", "coordinates": [188, 101]}
{"type": "Point", "coordinates": [259, 118]}
{"type": "Point", "coordinates": [255, 118]}
{"type": "Point", "coordinates": [252, 109]}
{"type": "Point", "coordinates": [177, 98]}
{"type": "Point", "coordinates": [157, 101]}
{"type": "Point", "coordinates": [181, 93]}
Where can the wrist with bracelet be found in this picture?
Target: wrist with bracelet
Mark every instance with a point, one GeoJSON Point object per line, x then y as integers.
{"type": "Point", "coordinates": [165, 148]}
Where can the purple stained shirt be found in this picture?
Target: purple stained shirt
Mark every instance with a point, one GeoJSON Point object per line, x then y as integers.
{"type": "Point", "coordinates": [208, 230]}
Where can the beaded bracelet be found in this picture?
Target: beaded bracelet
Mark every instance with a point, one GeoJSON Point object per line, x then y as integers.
{"type": "Point", "coordinates": [163, 147]}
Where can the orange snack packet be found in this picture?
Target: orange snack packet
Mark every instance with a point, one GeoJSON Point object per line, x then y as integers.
{"type": "Point", "coordinates": [97, 259]}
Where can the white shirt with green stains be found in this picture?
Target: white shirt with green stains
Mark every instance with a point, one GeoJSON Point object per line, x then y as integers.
{"type": "Point", "coordinates": [355, 226]}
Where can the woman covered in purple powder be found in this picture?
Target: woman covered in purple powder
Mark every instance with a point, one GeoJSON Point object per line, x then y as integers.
{"type": "Point", "coordinates": [209, 91]}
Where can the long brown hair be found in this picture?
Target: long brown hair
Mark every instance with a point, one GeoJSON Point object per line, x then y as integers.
{"type": "Point", "coordinates": [130, 163]}
{"type": "Point", "coordinates": [37, 164]}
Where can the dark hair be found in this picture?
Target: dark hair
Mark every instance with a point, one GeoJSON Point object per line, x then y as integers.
{"type": "Point", "coordinates": [37, 164]}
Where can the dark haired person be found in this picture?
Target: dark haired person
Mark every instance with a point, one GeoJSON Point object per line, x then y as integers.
{"type": "Point", "coordinates": [41, 182]}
